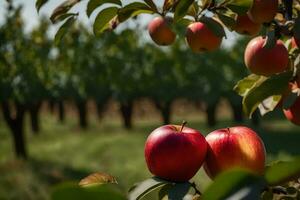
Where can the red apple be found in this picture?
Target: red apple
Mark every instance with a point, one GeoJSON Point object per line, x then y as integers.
{"type": "Point", "coordinates": [160, 31]}
{"type": "Point", "coordinates": [175, 153]}
{"type": "Point", "coordinates": [245, 26]}
{"type": "Point", "coordinates": [263, 11]}
{"type": "Point", "coordinates": [293, 43]}
{"type": "Point", "coordinates": [236, 147]}
{"type": "Point", "coordinates": [293, 113]}
{"type": "Point", "coordinates": [200, 38]}
{"type": "Point", "coordinates": [266, 61]}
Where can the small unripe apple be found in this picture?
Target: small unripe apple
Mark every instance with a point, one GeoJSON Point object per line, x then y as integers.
{"type": "Point", "coordinates": [160, 31]}
{"type": "Point", "coordinates": [200, 38]}
{"type": "Point", "coordinates": [293, 113]}
{"type": "Point", "coordinates": [175, 153]}
{"type": "Point", "coordinates": [266, 61]}
{"type": "Point", "coordinates": [235, 147]}
{"type": "Point", "coordinates": [263, 11]}
{"type": "Point", "coordinates": [246, 26]}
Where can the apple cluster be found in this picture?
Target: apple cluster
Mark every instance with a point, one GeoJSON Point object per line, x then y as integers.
{"type": "Point", "coordinates": [176, 153]}
{"type": "Point", "coordinates": [199, 35]}
{"type": "Point", "coordinates": [261, 59]}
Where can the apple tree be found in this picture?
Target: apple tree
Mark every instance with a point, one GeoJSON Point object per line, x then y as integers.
{"type": "Point", "coordinates": [23, 76]}
{"type": "Point", "coordinates": [272, 59]}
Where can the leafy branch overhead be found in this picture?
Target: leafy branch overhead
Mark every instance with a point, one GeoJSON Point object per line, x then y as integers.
{"type": "Point", "coordinates": [273, 58]}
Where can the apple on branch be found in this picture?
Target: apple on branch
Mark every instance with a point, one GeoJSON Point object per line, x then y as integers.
{"type": "Point", "coordinates": [266, 61]}
{"type": "Point", "coordinates": [235, 147]}
{"type": "Point", "coordinates": [200, 38]}
{"type": "Point", "coordinates": [246, 26]}
{"type": "Point", "coordinates": [175, 153]}
{"type": "Point", "coordinates": [160, 31]}
{"type": "Point", "coordinates": [263, 11]}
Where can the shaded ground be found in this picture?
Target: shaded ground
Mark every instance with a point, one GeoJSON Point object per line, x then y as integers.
{"type": "Point", "coordinates": [63, 153]}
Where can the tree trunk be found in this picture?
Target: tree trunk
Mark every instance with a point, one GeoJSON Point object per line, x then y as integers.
{"type": "Point", "coordinates": [165, 110]}
{"type": "Point", "coordinates": [237, 109]}
{"type": "Point", "coordinates": [34, 117]}
{"type": "Point", "coordinates": [61, 111]}
{"type": "Point", "coordinates": [211, 113]}
{"type": "Point", "coordinates": [19, 140]}
{"type": "Point", "coordinates": [51, 104]}
{"type": "Point", "coordinates": [82, 113]}
{"type": "Point", "coordinates": [16, 126]}
{"type": "Point", "coordinates": [126, 109]}
{"type": "Point", "coordinates": [101, 106]}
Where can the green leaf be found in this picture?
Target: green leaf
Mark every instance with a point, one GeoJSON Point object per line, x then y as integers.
{"type": "Point", "coordinates": [227, 16]}
{"type": "Point", "coordinates": [181, 9]}
{"type": "Point", "coordinates": [163, 192]}
{"type": "Point", "coordinates": [245, 85]}
{"type": "Point", "coordinates": [146, 187]}
{"type": "Point", "coordinates": [62, 9]}
{"type": "Point", "coordinates": [151, 4]}
{"type": "Point", "coordinates": [73, 191]}
{"type": "Point", "coordinates": [237, 184]}
{"type": "Point", "coordinates": [282, 172]}
{"type": "Point", "coordinates": [270, 40]}
{"type": "Point", "coordinates": [63, 29]}
{"type": "Point", "coordinates": [297, 28]}
{"type": "Point", "coordinates": [102, 21]}
{"type": "Point", "coordinates": [39, 4]}
{"type": "Point", "coordinates": [214, 26]}
{"type": "Point", "coordinates": [94, 4]}
{"type": "Point", "coordinates": [168, 4]}
{"type": "Point", "coordinates": [274, 85]}
{"type": "Point", "coordinates": [290, 100]}
{"type": "Point", "coordinates": [97, 179]}
{"type": "Point", "coordinates": [66, 15]}
{"type": "Point", "coordinates": [240, 7]}
{"type": "Point", "coordinates": [132, 10]}
{"type": "Point", "coordinates": [179, 191]}
{"type": "Point", "coordinates": [204, 4]}
{"type": "Point", "coordinates": [269, 104]}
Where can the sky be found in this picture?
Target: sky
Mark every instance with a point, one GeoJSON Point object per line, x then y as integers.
{"type": "Point", "coordinates": [31, 17]}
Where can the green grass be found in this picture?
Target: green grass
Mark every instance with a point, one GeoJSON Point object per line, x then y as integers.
{"type": "Point", "coordinates": [63, 153]}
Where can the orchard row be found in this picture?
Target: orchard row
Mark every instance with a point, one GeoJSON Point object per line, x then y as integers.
{"type": "Point", "coordinates": [83, 67]}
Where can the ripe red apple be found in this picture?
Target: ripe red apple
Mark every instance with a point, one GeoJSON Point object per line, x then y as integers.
{"type": "Point", "coordinates": [293, 113]}
{"type": "Point", "coordinates": [160, 31]}
{"type": "Point", "coordinates": [234, 147]}
{"type": "Point", "coordinates": [175, 153]}
{"type": "Point", "coordinates": [263, 11]}
{"type": "Point", "coordinates": [200, 38]}
{"type": "Point", "coordinates": [295, 42]}
{"type": "Point", "coordinates": [245, 26]}
{"type": "Point", "coordinates": [266, 61]}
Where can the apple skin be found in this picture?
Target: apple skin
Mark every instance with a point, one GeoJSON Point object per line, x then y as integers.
{"type": "Point", "coordinates": [160, 31]}
{"type": "Point", "coordinates": [293, 113]}
{"type": "Point", "coordinates": [200, 38]}
{"type": "Point", "coordinates": [263, 61]}
{"type": "Point", "coordinates": [263, 11]}
{"type": "Point", "coordinates": [235, 147]}
{"type": "Point", "coordinates": [173, 155]}
{"type": "Point", "coordinates": [245, 26]}
{"type": "Point", "coordinates": [295, 42]}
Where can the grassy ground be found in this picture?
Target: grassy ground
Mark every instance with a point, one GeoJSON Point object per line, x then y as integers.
{"type": "Point", "coordinates": [63, 152]}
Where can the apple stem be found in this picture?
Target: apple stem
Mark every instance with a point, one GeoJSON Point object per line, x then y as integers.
{"type": "Point", "coordinates": [182, 125]}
